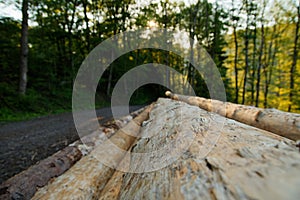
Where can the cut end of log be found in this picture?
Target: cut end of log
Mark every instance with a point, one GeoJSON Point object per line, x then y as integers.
{"type": "Point", "coordinates": [168, 93]}
{"type": "Point", "coordinates": [172, 95]}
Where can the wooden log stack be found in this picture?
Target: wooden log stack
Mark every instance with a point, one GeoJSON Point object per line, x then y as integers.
{"type": "Point", "coordinates": [25, 184]}
{"type": "Point", "coordinates": [180, 151]}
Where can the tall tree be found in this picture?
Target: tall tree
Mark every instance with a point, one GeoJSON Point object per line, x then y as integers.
{"type": "Point", "coordinates": [254, 52]}
{"type": "Point", "coordinates": [24, 49]}
{"type": "Point", "coordinates": [270, 64]}
{"type": "Point", "coordinates": [117, 13]}
{"type": "Point", "coordinates": [295, 59]}
{"type": "Point", "coordinates": [246, 42]}
{"type": "Point", "coordinates": [235, 12]}
{"type": "Point", "coordinates": [85, 4]}
{"type": "Point", "coordinates": [261, 53]}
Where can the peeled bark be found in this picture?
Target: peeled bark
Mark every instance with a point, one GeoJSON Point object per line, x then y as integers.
{"type": "Point", "coordinates": [278, 122]}
{"type": "Point", "coordinates": [87, 178]}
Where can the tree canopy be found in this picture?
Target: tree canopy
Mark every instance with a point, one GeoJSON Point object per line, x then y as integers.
{"type": "Point", "coordinates": [254, 44]}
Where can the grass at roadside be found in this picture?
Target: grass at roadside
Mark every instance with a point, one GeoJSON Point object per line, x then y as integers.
{"type": "Point", "coordinates": [15, 107]}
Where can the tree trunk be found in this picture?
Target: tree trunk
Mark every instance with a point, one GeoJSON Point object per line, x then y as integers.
{"type": "Point", "coordinates": [233, 162]}
{"type": "Point", "coordinates": [24, 49]}
{"type": "Point", "coordinates": [253, 65]}
{"type": "Point", "coordinates": [236, 72]}
{"type": "Point", "coordinates": [87, 30]}
{"type": "Point", "coordinates": [295, 58]}
{"type": "Point", "coordinates": [275, 121]}
{"type": "Point", "coordinates": [261, 49]}
{"type": "Point", "coordinates": [270, 63]}
{"type": "Point", "coordinates": [70, 24]}
{"type": "Point", "coordinates": [246, 63]}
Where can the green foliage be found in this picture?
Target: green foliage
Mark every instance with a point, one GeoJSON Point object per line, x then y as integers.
{"type": "Point", "coordinates": [64, 32]}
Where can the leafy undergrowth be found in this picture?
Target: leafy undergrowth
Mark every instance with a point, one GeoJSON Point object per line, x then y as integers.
{"type": "Point", "coordinates": [16, 107]}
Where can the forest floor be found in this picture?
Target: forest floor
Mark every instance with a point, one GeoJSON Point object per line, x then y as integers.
{"type": "Point", "coordinates": [22, 144]}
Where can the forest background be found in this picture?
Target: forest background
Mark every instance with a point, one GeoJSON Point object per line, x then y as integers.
{"type": "Point", "coordinates": [254, 43]}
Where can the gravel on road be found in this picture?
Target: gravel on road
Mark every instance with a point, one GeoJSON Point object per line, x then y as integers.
{"type": "Point", "coordinates": [22, 144]}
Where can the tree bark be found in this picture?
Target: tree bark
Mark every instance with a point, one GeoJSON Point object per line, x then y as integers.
{"type": "Point", "coordinates": [275, 121]}
{"type": "Point", "coordinates": [24, 49]}
{"type": "Point", "coordinates": [24, 185]}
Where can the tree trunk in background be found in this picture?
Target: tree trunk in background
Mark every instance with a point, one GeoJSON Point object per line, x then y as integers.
{"type": "Point", "coordinates": [70, 24]}
{"type": "Point", "coordinates": [235, 18]}
{"type": "Point", "coordinates": [261, 51]}
{"type": "Point", "coordinates": [87, 28]}
{"type": "Point", "coordinates": [271, 63]}
{"type": "Point", "coordinates": [295, 57]}
{"type": "Point", "coordinates": [253, 64]}
{"type": "Point", "coordinates": [246, 38]}
{"type": "Point", "coordinates": [235, 66]}
{"type": "Point", "coordinates": [278, 122]}
{"type": "Point", "coordinates": [192, 24]}
{"type": "Point", "coordinates": [167, 53]}
{"type": "Point", "coordinates": [24, 49]}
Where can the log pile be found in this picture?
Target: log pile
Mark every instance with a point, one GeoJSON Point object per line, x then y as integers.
{"type": "Point", "coordinates": [25, 184]}
{"type": "Point", "coordinates": [174, 150]}
{"type": "Point", "coordinates": [276, 121]}
{"type": "Point", "coordinates": [211, 157]}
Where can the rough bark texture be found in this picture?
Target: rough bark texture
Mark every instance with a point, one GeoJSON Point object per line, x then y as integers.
{"type": "Point", "coordinates": [194, 154]}
{"type": "Point", "coordinates": [87, 178]}
{"type": "Point", "coordinates": [24, 185]}
{"type": "Point", "coordinates": [278, 122]}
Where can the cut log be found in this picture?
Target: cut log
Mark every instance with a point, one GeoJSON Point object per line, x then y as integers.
{"type": "Point", "coordinates": [24, 185]}
{"type": "Point", "coordinates": [278, 122]}
{"type": "Point", "coordinates": [185, 152]}
{"type": "Point", "coordinates": [244, 163]}
{"type": "Point", "coordinates": [87, 178]}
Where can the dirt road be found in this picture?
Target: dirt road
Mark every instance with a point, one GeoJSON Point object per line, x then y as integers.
{"type": "Point", "coordinates": [22, 144]}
